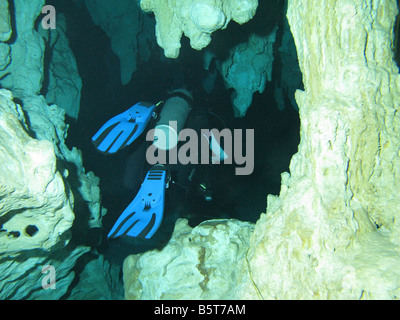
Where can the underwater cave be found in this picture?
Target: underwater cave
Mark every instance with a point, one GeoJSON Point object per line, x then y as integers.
{"type": "Point", "coordinates": [303, 94]}
{"type": "Point", "coordinates": [276, 132]}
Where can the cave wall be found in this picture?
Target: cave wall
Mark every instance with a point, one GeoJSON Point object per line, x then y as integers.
{"type": "Point", "coordinates": [333, 233]}
{"type": "Point", "coordinates": [62, 85]}
{"type": "Point", "coordinates": [26, 49]}
{"type": "Point", "coordinates": [49, 206]}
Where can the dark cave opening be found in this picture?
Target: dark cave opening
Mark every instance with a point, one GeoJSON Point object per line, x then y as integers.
{"type": "Point", "coordinates": [276, 133]}
{"type": "Point", "coordinates": [396, 44]}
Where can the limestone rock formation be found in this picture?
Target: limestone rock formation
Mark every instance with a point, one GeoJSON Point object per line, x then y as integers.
{"type": "Point", "coordinates": [24, 73]}
{"type": "Point", "coordinates": [131, 32]}
{"type": "Point", "coordinates": [197, 19]}
{"type": "Point", "coordinates": [197, 263]}
{"type": "Point", "coordinates": [47, 123]}
{"type": "Point", "coordinates": [247, 69]}
{"type": "Point", "coordinates": [22, 62]}
{"type": "Point", "coordinates": [23, 276]}
{"type": "Point", "coordinates": [45, 193]}
{"type": "Point", "coordinates": [333, 232]}
{"type": "Point", "coordinates": [5, 25]}
{"type": "Point", "coordinates": [5, 57]}
{"type": "Point", "coordinates": [23, 76]}
{"type": "Point", "coordinates": [64, 83]}
{"type": "Point", "coordinates": [99, 281]}
{"type": "Point", "coordinates": [5, 34]}
{"type": "Point", "coordinates": [36, 210]}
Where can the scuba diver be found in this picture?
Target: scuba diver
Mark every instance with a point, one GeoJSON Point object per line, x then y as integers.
{"type": "Point", "coordinates": [144, 214]}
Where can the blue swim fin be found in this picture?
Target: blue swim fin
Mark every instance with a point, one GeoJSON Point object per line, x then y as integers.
{"type": "Point", "coordinates": [121, 130]}
{"type": "Point", "coordinates": [144, 214]}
